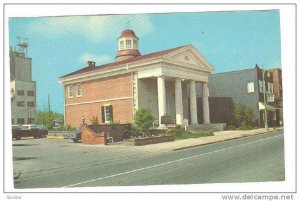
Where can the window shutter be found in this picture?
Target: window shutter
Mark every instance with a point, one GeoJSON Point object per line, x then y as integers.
{"type": "Point", "coordinates": [103, 115]}
{"type": "Point", "coordinates": [111, 113]}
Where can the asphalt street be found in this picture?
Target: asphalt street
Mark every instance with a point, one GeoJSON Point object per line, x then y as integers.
{"type": "Point", "coordinates": [251, 159]}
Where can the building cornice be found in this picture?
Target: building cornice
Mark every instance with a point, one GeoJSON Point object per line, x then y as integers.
{"type": "Point", "coordinates": [99, 101]}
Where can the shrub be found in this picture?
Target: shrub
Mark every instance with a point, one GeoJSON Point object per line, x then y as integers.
{"type": "Point", "coordinates": [230, 127]}
{"type": "Point", "coordinates": [135, 131]}
{"type": "Point", "coordinates": [143, 120]}
{"type": "Point", "coordinates": [243, 115]}
{"type": "Point", "coordinates": [94, 120]}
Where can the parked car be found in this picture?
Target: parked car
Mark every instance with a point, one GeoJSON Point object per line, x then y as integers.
{"type": "Point", "coordinates": [39, 131]}
{"type": "Point", "coordinates": [16, 132]}
{"type": "Point", "coordinates": [28, 130]}
{"type": "Point", "coordinates": [76, 136]}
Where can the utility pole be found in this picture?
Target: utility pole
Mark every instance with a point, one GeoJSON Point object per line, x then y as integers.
{"type": "Point", "coordinates": [265, 101]}
{"type": "Point", "coordinates": [49, 104]}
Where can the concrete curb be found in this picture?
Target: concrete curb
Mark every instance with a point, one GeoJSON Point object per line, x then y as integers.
{"type": "Point", "coordinates": [55, 137]}
{"type": "Point", "coordinates": [228, 138]}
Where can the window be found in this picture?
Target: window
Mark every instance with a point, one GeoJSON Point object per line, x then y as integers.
{"type": "Point", "coordinates": [121, 45]}
{"type": "Point", "coordinates": [20, 92]}
{"type": "Point", "coordinates": [128, 44]}
{"type": "Point", "coordinates": [261, 86]}
{"type": "Point", "coordinates": [135, 45]}
{"type": "Point", "coordinates": [30, 104]}
{"type": "Point", "coordinates": [270, 88]}
{"type": "Point", "coordinates": [20, 120]}
{"type": "Point", "coordinates": [70, 91]}
{"type": "Point", "coordinates": [30, 120]}
{"type": "Point", "coordinates": [107, 114]}
{"type": "Point", "coordinates": [79, 90]}
{"type": "Point", "coordinates": [250, 87]}
{"type": "Point", "coordinates": [30, 93]}
{"type": "Point", "coordinates": [20, 104]}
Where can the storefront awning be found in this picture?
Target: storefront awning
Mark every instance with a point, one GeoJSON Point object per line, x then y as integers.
{"type": "Point", "coordinates": [270, 106]}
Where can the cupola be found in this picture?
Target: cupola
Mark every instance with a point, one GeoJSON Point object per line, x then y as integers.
{"type": "Point", "coordinates": [128, 45]}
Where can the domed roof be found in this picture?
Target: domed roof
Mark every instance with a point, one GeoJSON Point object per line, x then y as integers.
{"type": "Point", "coordinates": [133, 53]}
{"type": "Point", "coordinates": [128, 33]}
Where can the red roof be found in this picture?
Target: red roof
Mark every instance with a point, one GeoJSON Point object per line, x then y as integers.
{"type": "Point", "coordinates": [127, 61]}
{"type": "Point", "coordinates": [128, 33]}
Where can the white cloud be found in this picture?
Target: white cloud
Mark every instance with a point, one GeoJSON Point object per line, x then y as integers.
{"type": "Point", "coordinates": [99, 59]}
{"type": "Point", "coordinates": [93, 28]}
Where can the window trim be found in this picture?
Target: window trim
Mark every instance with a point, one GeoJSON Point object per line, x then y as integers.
{"type": "Point", "coordinates": [70, 89]}
{"type": "Point", "coordinates": [122, 45]}
{"type": "Point", "coordinates": [129, 45]}
{"type": "Point", "coordinates": [107, 109]}
{"type": "Point", "coordinates": [261, 86]}
{"type": "Point", "coordinates": [77, 87]}
{"type": "Point", "coordinates": [250, 87]}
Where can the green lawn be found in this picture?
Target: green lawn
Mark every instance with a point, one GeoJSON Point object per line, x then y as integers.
{"type": "Point", "coordinates": [194, 135]}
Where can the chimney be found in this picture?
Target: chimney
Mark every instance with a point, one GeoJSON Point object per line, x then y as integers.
{"type": "Point", "coordinates": [91, 64]}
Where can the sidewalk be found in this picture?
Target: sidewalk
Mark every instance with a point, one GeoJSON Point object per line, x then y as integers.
{"type": "Point", "coordinates": [219, 136]}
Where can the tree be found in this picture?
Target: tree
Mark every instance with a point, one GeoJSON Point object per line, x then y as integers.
{"type": "Point", "coordinates": [143, 120]}
{"type": "Point", "coordinates": [47, 119]}
{"type": "Point", "coordinates": [243, 115]}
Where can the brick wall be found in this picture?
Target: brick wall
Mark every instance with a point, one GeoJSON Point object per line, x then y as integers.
{"type": "Point", "coordinates": [115, 91]}
{"type": "Point", "coordinates": [90, 137]}
{"type": "Point", "coordinates": [117, 131]}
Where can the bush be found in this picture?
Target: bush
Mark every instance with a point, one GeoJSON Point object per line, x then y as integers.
{"type": "Point", "coordinates": [243, 115]}
{"type": "Point", "coordinates": [143, 120]}
{"type": "Point", "coordinates": [230, 127]}
{"type": "Point", "coordinates": [94, 121]}
{"type": "Point", "coordinates": [135, 131]}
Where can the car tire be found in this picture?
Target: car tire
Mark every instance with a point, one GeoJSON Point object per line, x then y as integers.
{"type": "Point", "coordinates": [76, 140]}
{"type": "Point", "coordinates": [18, 137]}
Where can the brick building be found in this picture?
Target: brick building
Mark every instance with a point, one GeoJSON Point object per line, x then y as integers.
{"type": "Point", "coordinates": [163, 82]}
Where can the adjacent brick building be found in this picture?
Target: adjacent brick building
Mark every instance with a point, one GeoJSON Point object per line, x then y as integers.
{"type": "Point", "coordinates": [163, 82]}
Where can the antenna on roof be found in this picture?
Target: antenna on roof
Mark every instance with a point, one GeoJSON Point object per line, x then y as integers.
{"type": "Point", "coordinates": [22, 45]}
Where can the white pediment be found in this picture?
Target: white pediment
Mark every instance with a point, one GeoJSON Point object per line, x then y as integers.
{"type": "Point", "coordinates": [190, 55]}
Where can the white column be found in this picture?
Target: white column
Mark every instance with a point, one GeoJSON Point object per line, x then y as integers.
{"type": "Point", "coordinates": [206, 117]}
{"type": "Point", "coordinates": [193, 102]}
{"type": "Point", "coordinates": [161, 92]}
{"type": "Point", "coordinates": [178, 101]}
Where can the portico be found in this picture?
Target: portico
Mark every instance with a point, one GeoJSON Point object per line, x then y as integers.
{"type": "Point", "coordinates": [161, 90]}
{"type": "Point", "coordinates": [173, 93]}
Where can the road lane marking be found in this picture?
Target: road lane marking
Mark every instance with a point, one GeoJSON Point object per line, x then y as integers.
{"type": "Point", "coordinates": [166, 163]}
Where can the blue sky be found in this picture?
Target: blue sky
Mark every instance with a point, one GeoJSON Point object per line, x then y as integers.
{"type": "Point", "coordinates": [60, 45]}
